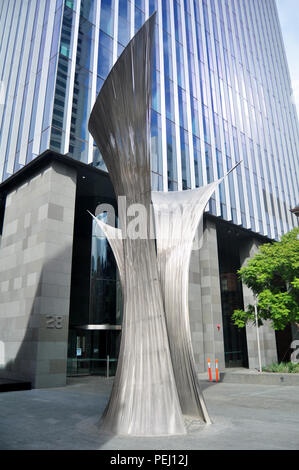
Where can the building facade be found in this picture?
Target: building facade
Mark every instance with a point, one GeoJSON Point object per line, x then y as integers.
{"type": "Point", "coordinates": [221, 94]}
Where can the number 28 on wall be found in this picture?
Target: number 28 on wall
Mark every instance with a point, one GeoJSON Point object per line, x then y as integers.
{"type": "Point", "coordinates": [54, 321]}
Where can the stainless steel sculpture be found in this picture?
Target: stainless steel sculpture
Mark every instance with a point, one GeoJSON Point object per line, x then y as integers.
{"type": "Point", "coordinates": [175, 235]}
{"type": "Point", "coordinates": [156, 383]}
{"type": "Point", "coordinates": [144, 399]}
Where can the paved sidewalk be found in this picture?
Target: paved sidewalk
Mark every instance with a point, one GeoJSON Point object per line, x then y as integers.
{"type": "Point", "coordinates": [244, 417]}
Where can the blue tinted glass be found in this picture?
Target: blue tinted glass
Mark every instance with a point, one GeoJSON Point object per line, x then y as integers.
{"type": "Point", "coordinates": [34, 105]}
{"type": "Point", "coordinates": [156, 143]}
{"type": "Point", "coordinates": [84, 46]}
{"type": "Point", "coordinates": [166, 16]}
{"type": "Point", "coordinates": [56, 33]}
{"type": "Point", "coordinates": [209, 164]}
{"type": "Point", "coordinates": [156, 96]}
{"type": "Point", "coordinates": [185, 159]}
{"type": "Point", "coordinates": [124, 22]}
{"type": "Point", "coordinates": [139, 19]}
{"type": "Point", "coordinates": [169, 98]}
{"type": "Point", "coordinates": [78, 149]}
{"type": "Point", "coordinates": [49, 93]}
{"type": "Point", "coordinates": [167, 54]}
{"type": "Point", "coordinates": [171, 152]}
{"type": "Point", "coordinates": [182, 108]}
{"type": "Point", "coordinates": [66, 31]}
{"type": "Point", "coordinates": [106, 24]}
{"type": "Point", "coordinates": [140, 4]}
{"type": "Point", "coordinates": [194, 117]}
{"type": "Point", "coordinates": [87, 9]}
{"type": "Point", "coordinates": [105, 55]}
{"type": "Point", "coordinates": [80, 110]}
{"type": "Point", "coordinates": [177, 22]}
{"type": "Point", "coordinates": [197, 162]}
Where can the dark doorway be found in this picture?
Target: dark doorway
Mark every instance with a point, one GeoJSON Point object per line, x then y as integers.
{"type": "Point", "coordinates": [95, 304]}
{"type": "Point", "coordinates": [283, 343]}
{"type": "Point", "coordinates": [235, 342]}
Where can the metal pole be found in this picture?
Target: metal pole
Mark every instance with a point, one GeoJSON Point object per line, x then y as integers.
{"type": "Point", "coordinates": [257, 334]}
{"type": "Point", "coordinates": [107, 373]}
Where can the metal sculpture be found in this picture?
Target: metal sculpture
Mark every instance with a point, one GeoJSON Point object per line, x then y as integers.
{"type": "Point", "coordinates": [156, 383]}
{"type": "Point", "coordinates": [144, 399]}
{"type": "Point", "coordinates": [175, 235]}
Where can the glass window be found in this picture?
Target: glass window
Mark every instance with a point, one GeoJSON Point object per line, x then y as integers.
{"type": "Point", "coordinates": [156, 143]}
{"type": "Point", "coordinates": [87, 9]}
{"type": "Point", "coordinates": [206, 125]}
{"type": "Point", "coordinates": [139, 18]}
{"type": "Point", "coordinates": [34, 105]}
{"type": "Point", "coordinates": [185, 159]}
{"type": "Point", "coordinates": [153, 6]}
{"type": "Point", "coordinates": [182, 108]}
{"type": "Point", "coordinates": [105, 55]}
{"type": "Point", "coordinates": [140, 4]}
{"type": "Point", "coordinates": [171, 155]}
{"type": "Point", "coordinates": [209, 164]}
{"type": "Point", "coordinates": [84, 47]}
{"type": "Point", "coordinates": [197, 162]}
{"type": "Point", "coordinates": [56, 139]}
{"type": "Point", "coordinates": [169, 99]}
{"type": "Point", "coordinates": [124, 22]}
{"type": "Point", "coordinates": [106, 21]}
{"type": "Point", "coordinates": [156, 91]}
{"type": "Point", "coordinates": [81, 97]}
{"type": "Point", "coordinates": [63, 77]}
{"type": "Point", "coordinates": [43, 38]}
{"type": "Point", "coordinates": [180, 65]}
{"type": "Point", "coordinates": [156, 58]}
{"type": "Point", "coordinates": [49, 93]}
{"type": "Point", "coordinates": [66, 32]}
{"type": "Point", "coordinates": [166, 16]}
{"type": "Point", "coordinates": [167, 54]}
{"type": "Point", "coordinates": [78, 149]}
{"type": "Point", "coordinates": [194, 116]}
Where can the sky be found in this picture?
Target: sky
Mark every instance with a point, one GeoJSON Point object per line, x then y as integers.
{"type": "Point", "coordinates": [288, 11]}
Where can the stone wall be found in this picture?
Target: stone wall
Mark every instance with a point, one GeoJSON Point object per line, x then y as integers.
{"type": "Point", "coordinates": [206, 312]}
{"type": "Point", "coordinates": [35, 277]}
{"type": "Point", "coordinates": [205, 302]}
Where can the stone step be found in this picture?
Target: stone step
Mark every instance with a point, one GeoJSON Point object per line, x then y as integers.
{"type": "Point", "coordinates": [8, 385]}
{"type": "Point", "coordinates": [260, 378]}
{"type": "Point", "coordinates": [252, 376]}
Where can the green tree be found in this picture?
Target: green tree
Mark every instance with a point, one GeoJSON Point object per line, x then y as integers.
{"type": "Point", "coordinates": [273, 276]}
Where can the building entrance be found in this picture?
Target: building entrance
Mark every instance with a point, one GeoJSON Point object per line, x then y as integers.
{"type": "Point", "coordinates": [95, 304]}
{"type": "Point", "coordinates": [93, 350]}
{"type": "Point", "coordinates": [235, 342]}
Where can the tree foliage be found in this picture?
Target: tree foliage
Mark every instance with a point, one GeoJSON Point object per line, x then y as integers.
{"type": "Point", "coordinates": [273, 276]}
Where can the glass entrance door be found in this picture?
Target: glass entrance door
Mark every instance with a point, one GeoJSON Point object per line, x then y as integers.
{"type": "Point", "coordinates": [93, 350]}
{"type": "Point", "coordinates": [104, 352]}
{"type": "Point", "coordinates": [235, 342]}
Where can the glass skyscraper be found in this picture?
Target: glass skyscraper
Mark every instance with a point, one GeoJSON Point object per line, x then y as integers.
{"type": "Point", "coordinates": [221, 94]}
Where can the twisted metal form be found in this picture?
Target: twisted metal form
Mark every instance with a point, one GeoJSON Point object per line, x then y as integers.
{"type": "Point", "coordinates": [144, 399]}
{"type": "Point", "coordinates": [177, 216]}
{"type": "Point", "coordinates": [156, 382]}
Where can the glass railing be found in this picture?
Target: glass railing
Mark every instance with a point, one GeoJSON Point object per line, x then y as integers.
{"type": "Point", "coordinates": [105, 367]}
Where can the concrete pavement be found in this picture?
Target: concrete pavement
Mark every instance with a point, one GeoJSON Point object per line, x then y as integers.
{"type": "Point", "coordinates": [245, 416]}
